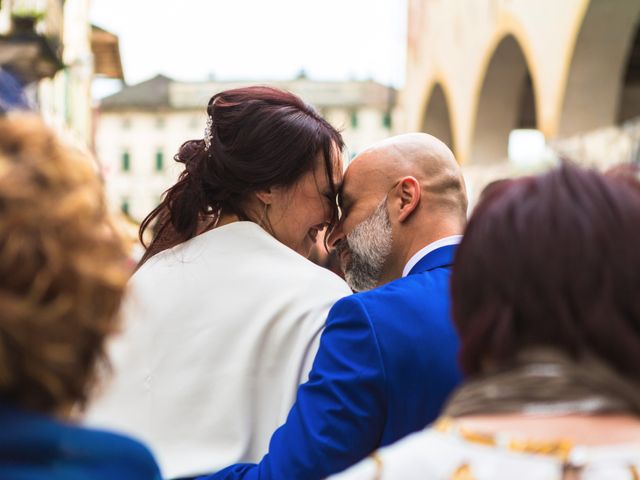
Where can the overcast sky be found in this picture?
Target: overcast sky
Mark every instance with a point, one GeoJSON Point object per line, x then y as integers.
{"type": "Point", "coordinates": [258, 39]}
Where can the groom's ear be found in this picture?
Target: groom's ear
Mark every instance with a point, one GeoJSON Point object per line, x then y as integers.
{"type": "Point", "coordinates": [408, 193]}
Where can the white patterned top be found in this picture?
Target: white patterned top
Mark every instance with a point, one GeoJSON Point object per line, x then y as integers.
{"type": "Point", "coordinates": [446, 452]}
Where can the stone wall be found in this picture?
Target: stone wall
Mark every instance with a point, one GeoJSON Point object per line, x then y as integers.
{"type": "Point", "coordinates": [604, 147]}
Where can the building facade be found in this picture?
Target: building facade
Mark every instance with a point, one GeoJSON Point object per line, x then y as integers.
{"type": "Point", "coordinates": [482, 72]}
{"type": "Point", "coordinates": [51, 52]}
{"type": "Point", "coordinates": [478, 69]}
{"type": "Point", "coordinates": [141, 128]}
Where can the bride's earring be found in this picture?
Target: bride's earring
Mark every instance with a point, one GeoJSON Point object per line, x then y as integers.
{"type": "Point", "coordinates": [264, 220]}
{"type": "Point", "coordinates": [218, 215]}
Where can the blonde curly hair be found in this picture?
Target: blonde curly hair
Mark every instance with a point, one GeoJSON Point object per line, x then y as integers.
{"type": "Point", "coordinates": [62, 270]}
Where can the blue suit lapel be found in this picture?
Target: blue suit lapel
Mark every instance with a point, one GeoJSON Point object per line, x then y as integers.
{"type": "Point", "coordinates": [440, 257]}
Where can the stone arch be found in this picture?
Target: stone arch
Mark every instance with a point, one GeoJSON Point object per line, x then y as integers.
{"type": "Point", "coordinates": [506, 101]}
{"type": "Point", "coordinates": [595, 82]}
{"type": "Point", "coordinates": [437, 118]}
{"type": "Point", "coordinates": [629, 103]}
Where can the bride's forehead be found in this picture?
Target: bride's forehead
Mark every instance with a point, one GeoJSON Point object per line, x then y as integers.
{"type": "Point", "coordinates": [321, 166]}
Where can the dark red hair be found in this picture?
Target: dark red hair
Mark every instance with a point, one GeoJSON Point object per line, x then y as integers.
{"type": "Point", "coordinates": [551, 260]}
{"type": "Point", "coordinates": [261, 137]}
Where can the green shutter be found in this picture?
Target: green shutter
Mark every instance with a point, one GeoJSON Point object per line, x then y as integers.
{"type": "Point", "coordinates": [354, 119]}
{"type": "Point", "coordinates": [159, 161]}
{"type": "Point", "coordinates": [126, 162]}
{"type": "Point", "coordinates": [386, 120]}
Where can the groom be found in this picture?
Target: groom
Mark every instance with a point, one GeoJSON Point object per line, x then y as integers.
{"type": "Point", "coordinates": [387, 357]}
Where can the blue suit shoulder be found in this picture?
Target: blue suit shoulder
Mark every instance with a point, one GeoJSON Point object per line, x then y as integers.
{"type": "Point", "coordinates": [418, 291]}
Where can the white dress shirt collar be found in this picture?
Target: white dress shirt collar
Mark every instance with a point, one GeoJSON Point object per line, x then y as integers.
{"type": "Point", "coordinates": [420, 254]}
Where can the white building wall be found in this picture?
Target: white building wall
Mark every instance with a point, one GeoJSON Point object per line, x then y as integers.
{"type": "Point", "coordinates": [369, 127]}
{"type": "Point", "coordinates": [65, 100]}
{"type": "Point", "coordinates": [143, 135]}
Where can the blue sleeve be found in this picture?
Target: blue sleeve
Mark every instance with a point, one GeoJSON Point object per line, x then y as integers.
{"type": "Point", "coordinates": [339, 414]}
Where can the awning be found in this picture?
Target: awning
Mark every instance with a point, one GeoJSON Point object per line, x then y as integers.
{"type": "Point", "coordinates": [106, 53]}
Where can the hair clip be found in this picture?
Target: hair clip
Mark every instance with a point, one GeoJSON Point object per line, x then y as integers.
{"type": "Point", "coordinates": [208, 135]}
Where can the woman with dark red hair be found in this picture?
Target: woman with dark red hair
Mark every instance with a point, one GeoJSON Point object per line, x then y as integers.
{"type": "Point", "coordinates": [225, 310]}
{"type": "Point", "coordinates": [545, 298]}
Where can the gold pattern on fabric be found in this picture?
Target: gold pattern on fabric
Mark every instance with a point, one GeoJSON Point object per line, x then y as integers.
{"type": "Point", "coordinates": [463, 472]}
{"type": "Point", "coordinates": [476, 437]}
{"type": "Point", "coordinates": [561, 449]}
{"type": "Point", "coordinates": [378, 461]}
{"type": "Point", "coordinates": [443, 424]}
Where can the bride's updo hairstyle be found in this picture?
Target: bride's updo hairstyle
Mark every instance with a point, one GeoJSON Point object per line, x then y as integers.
{"type": "Point", "coordinates": [255, 138]}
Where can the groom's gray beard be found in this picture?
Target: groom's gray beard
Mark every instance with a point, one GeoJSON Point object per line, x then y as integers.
{"type": "Point", "coordinates": [369, 244]}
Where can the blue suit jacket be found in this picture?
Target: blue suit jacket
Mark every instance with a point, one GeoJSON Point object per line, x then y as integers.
{"type": "Point", "coordinates": [385, 365]}
{"type": "Point", "coordinates": [37, 447]}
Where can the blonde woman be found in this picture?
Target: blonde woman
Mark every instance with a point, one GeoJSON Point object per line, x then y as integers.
{"type": "Point", "coordinates": [62, 277]}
